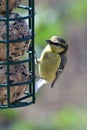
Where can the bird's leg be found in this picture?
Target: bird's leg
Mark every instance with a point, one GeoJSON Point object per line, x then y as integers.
{"type": "Point", "coordinates": [38, 77]}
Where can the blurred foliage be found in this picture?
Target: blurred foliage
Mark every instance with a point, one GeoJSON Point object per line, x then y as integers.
{"type": "Point", "coordinates": [8, 113]}
{"type": "Point", "coordinates": [47, 24]}
{"type": "Point", "coordinates": [50, 22]}
{"type": "Point", "coordinates": [54, 21]}
{"type": "Point", "coordinates": [70, 119]}
{"type": "Point", "coordinates": [22, 126]}
{"type": "Point", "coordinates": [7, 118]}
{"type": "Point", "coordinates": [78, 11]}
{"type": "Point", "coordinates": [30, 126]}
{"type": "Point", "coordinates": [45, 31]}
{"type": "Point", "coordinates": [65, 119]}
{"type": "Point", "coordinates": [48, 31]}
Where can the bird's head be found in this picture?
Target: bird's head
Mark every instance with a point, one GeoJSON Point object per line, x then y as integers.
{"type": "Point", "coordinates": [58, 44]}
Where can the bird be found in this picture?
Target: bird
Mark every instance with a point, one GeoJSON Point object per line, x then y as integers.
{"type": "Point", "coordinates": [52, 61]}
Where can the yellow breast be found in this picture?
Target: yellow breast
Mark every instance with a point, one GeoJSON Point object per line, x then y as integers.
{"type": "Point", "coordinates": [49, 64]}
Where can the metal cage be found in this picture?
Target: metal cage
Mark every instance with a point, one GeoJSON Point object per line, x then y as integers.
{"type": "Point", "coordinates": [28, 96]}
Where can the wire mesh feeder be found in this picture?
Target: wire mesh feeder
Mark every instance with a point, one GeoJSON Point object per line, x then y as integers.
{"type": "Point", "coordinates": [17, 74]}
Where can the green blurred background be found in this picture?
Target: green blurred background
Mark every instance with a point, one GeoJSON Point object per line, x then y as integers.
{"type": "Point", "coordinates": [64, 107]}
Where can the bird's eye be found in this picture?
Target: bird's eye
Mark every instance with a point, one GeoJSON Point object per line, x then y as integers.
{"type": "Point", "coordinates": [61, 40]}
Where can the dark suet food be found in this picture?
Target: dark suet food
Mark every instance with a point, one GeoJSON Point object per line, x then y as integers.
{"type": "Point", "coordinates": [17, 74]}
{"type": "Point", "coordinates": [12, 5]}
{"type": "Point", "coordinates": [17, 30]}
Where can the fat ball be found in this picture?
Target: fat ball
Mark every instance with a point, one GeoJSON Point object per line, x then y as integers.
{"type": "Point", "coordinates": [17, 30]}
{"type": "Point", "coordinates": [17, 74]}
{"type": "Point", "coordinates": [12, 5]}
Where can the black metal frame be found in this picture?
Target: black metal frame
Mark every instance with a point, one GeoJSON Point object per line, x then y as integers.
{"type": "Point", "coordinates": [29, 95]}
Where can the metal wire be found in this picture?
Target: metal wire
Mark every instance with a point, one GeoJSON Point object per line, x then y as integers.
{"type": "Point", "coordinates": [29, 96]}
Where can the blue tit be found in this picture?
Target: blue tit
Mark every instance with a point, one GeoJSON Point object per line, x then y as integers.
{"type": "Point", "coordinates": [53, 59]}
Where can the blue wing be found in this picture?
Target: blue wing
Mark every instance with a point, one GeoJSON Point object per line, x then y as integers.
{"type": "Point", "coordinates": [60, 69]}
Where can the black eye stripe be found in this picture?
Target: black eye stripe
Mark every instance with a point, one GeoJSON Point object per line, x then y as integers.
{"type": "Point", "coordinates": [57, 44]}
{"type": "Point", "coordinates": [64, 45]}
{"type": "Point", "coordinates": [61, 40]}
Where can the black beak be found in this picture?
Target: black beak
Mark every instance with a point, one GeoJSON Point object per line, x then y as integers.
{"type": "Point", "coordinates": [48, 41]}
{"type": "Point", "coordinates": [58, 44]}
